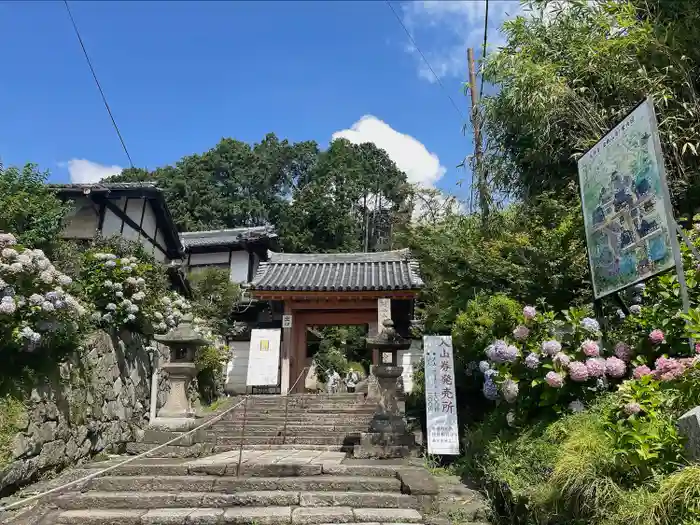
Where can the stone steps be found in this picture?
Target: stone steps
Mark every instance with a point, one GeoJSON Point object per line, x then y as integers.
{"type": "Point", "coordinates": [237, 516]}
{"type": "Point", "coordinates": [270, 438]}
{"type": "Point", "coordinates": [228, 484]}
{"type": "Point", "coordinates": [290, 429]}
{"type": "Point", "coordinates": [265, 498]}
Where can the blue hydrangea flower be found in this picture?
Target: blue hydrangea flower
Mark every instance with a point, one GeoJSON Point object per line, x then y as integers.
{"type": "Point", "coordinates": [490, 374]}
{"type": "Point", "coordinates": [490, 390]}
{"type": "Point", "coordinates": [504, 353]}
{"type": "Point", "coordinates": [551, 348]}
{"type": "Point", "coordinates": [590, 325]}
{"type": "Point", "coordinates": [532, 361]}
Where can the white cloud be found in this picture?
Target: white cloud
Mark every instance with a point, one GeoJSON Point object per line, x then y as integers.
{"type": "Point", "coordinates": [409, 154]}
{"type": "Point", "coordinates": [83, 171]}
{"type": "Point", "coordinates": [445, 29]}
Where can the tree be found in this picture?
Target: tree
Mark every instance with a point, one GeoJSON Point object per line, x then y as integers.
{"type": "Point", "coordinates": [29, 209]}
{"type": "Point", "coordinates": [214, 296]}
{"type": "Point", "coordinates": [567, 76]}
{"type": "Point", "coordinates": [340, 199]}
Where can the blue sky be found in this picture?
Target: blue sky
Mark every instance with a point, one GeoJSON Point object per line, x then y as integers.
{"type": "Point", "coordinates": [179, 76]}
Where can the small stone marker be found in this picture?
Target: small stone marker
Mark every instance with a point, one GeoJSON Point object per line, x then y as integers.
{"type": "Point", "coordinates": [689, 427]}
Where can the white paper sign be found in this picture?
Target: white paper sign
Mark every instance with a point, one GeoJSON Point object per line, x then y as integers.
{"type": "Point", "coordinates": [264, 357]}
{"type": "Point", "coordinates": [440, 399]}
{"type": "Point", "coordinates": [286, 321]}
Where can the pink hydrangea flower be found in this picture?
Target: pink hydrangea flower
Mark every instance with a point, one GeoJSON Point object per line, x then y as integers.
{"type": "Point", "coordinates": [529, 312]}
{"type": "Point", "coordinates": [554, 380]}
{"type": "Point", "coordinates": [578, 371]}
{"type": "Point", "coordinates": [590, 348]}
{"type": "Point", "coordinates": [562, 359]}
{"type": "Point", "coordinates": [521, 332]}
{"type": "Point", "coordinates": [656, 337]}
{"type": "Point", "coordinates": [697, 348]}
{"type": "Point", "coordinates": [595, 366]}
{"type": "Point", "coordinates": [632, 408]}
{"type": "Point", "coordinates": [615, 367]}
{"type": "Point", "coordinates": [641, 371]}
{"type": "Point", "coordinates": [623, 351]}
{"type": "Point", "coordinates": [668, 368]}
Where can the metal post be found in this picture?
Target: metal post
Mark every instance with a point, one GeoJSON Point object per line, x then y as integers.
{"type": "Point", "coordinates": [240, 449]}
{"type": "Point", "coordinates": [286, 412]}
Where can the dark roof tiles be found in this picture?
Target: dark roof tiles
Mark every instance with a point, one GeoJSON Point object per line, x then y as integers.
{"type": "Point", "coordinates": [228, 237]}
{"type": "Point", "coordinates": [376, 271]}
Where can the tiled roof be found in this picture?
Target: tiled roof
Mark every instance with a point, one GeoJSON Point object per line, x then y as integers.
{"type": "Point", "coordinates": [229, 237]}
{"type": "Point", "coordinates": [106, 186]}
{"type": "Point", "coordinates": [377, 271]}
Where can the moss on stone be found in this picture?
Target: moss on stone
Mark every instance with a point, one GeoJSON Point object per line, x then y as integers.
{"type": "Point", "coordinates": [13, 416]}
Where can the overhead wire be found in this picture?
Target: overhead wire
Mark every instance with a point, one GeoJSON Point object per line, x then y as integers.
{"type": "Point", "coordinates": [97, 82]}
{"type": "Point", "coordinates": [427, 63]}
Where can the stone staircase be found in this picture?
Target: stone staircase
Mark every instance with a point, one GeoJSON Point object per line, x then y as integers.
{"type": "Point", "coordinates": [269, 487]}
{"type": "Point", "coordinates": [300, 421]}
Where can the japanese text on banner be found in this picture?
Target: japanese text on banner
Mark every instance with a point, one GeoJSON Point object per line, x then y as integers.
{"type": "Point", "coordinates": [440, 400]}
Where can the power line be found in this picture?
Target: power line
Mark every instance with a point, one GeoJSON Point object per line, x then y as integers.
{"type": "Point", "coordinates": [483, 51]}
{"type": "Point", "coordinates": [410, 37]}
{"type": "Point", "coordinates": [94, 75]}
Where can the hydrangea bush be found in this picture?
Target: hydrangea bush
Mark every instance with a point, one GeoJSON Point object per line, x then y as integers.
{"type": "Point", "coordinates": [551, 362]}
{"type": "Point", "coordinates": [38, 312]}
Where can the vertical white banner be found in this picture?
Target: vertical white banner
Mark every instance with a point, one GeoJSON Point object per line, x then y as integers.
{"type": "Point", "coordinates": [264, 357]}
{"type": "Point", "coordinates": [440, 399]}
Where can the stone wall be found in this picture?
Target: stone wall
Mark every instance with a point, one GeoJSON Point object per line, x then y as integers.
{"type": "Point", "coordinates": [96, 401]}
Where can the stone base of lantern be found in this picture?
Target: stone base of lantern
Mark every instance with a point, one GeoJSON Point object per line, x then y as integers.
{"type": "Point", "coordinates": [384, 445]}
{"type": "Point", "coordinates": [174, 424]}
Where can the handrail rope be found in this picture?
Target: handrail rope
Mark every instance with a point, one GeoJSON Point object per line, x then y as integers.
{"type": "Point", "coordinates": [286, 405]}
{"type": "Point", "coordinates": [129, 460]}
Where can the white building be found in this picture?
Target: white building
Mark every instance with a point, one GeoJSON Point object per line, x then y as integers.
{"type": "Point", "coordinates": [135, 210]}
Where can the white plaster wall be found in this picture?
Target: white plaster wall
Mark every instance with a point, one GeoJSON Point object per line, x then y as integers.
{"type": "Point", "coordinates": [134, 208]}
{"type": "Point", "coordinates": [237, 367]}
{"type": "Point", "coordinates": [112, 224]}
{"type": "Point", "coordinates": [407, 359]}
{"type": "Point", "coordinates": [256, 263]}
{"type": "Point", "coordinates": [129, 233]}
{"type": "Point", "coordinates": [160, 256]}
{"type": "Point", "coordinates": [149, 227]}
{"type": "Point", "coordinates": [239, 266]}
{"type": "Point", "coordinates": [82, 221]}
{"type": "Point", "coordinates": [198, 259]}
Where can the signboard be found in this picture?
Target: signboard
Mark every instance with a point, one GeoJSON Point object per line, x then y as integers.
{"type": "Point", "coordinates": [630, 232]}
{"type": "Point", "coordinates": [440, 400]}
{"type": "Point", "coordinates": [286, 321]}
{"type": "Point", "coordinates": [264, 357]}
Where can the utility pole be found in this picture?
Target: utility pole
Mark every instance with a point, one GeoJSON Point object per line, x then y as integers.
{"type": "Point", "coordinates": [478, 169]}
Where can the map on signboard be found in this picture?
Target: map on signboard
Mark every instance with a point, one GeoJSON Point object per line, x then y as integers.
{"type": "Point", "coordinates": [625, 204]}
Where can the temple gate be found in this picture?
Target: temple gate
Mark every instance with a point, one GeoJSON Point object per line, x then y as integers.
{"type": "Point", "coordinates": [335, 289]}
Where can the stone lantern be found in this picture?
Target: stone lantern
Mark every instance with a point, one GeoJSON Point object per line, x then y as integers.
{"type": "Point", "coordinates": [183, 341]}
{"type": "Point", "coordinates": [387, 436]}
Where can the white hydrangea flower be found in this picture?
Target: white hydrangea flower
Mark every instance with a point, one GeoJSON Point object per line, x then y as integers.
{"type": "Point", "coordinates": [96, 316]}
{"type": "Point", "coordinates": [46, 276]}
{"type": "Point", "coordinates": [138, 296]}
{"type": "Point", "coordinates": [24, 259]}
{"type": "Point", "coordinates": [130, 317]}
{"type": "Point", "coordinates": [110, 264]}
{"type": "Point", "coordinates": [35, 299]}
{"type": "Point", "coordinates": [9, 253]}
{"type": "Point", "coordinates": [7, 305]}
{"type": "Point", "coordinates": [111, 307]}
{"type": "Point", "coordinates": [131, 281]}
{"type": "Point", "coordinates": [577, 406]}
{"type": "Point", "coordinates": [65, 280]}
{"type": "Point", "coordinates": [158, 316]}
{"type": "Point", "coordinates": [7, 239]}
{"type": "Point", "coordinates": [42, 264]}
{"type": "Point", "coordinates": [108, 283]}
{"type": "Point", "coordinates": [124, 261]}
{"type": "Point", "coordinates": [166, 300]}
{"type": "Point", "coordinates": [128, 269]}
{"type": "Point", "coordinates": [47, 306]}
{"type": "Point", "coordinates": [16, 267]}
{"type": "Point", "coordinates": [132, 308]}
{"type": "Point", "coordinates": [3, 284]}
{"type": "Point", "coordinates": [107, 318]}
{"type": "Point", "coordinates": [119, 294]}
{"type": "Point", "coordinates": [140, 281]}
{"type": "Point", "coordinates": [117, 286]}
